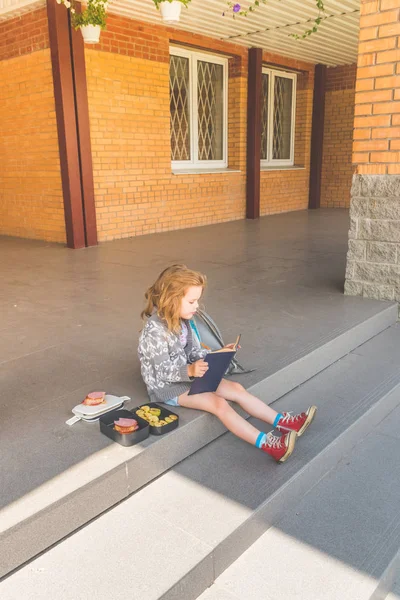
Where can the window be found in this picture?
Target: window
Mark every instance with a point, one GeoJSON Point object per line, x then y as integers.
{"type": "Point", "coordinates": [198, 109]}
{"type": "Point", "coordinates": [278, 105]}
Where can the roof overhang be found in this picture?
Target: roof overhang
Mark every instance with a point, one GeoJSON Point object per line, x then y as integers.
{"type": "Point", "coordinates": [269, 27]}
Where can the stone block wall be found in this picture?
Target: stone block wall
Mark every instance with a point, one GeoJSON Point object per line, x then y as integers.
{"type": "Point", "coordinates": [373, 259]}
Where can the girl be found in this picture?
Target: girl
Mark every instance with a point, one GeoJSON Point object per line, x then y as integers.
{"type": "Point", "coordinates": [171, 356]}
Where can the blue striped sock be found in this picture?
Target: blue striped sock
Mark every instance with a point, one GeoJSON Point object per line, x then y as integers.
{"type": "Point", "coordinates": [277, 418]}
{"type": "Point", "coordinates": [262, 439]}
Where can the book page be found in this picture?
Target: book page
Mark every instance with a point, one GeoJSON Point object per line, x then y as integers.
{"type": "Point", "coordinates": [234, 349]}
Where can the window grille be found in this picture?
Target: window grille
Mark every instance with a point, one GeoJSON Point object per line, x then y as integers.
{"type": "Point", "coordinates": [198, 106]}
{"type": "Point", "coordinates": [277, 118]}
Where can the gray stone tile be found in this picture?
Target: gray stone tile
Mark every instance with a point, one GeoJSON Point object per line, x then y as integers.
{"type": "Point", "coordinates": [53, 446]}
{"type": "Point", "coordinates": [357, 496]}
{"type": "Point", "coordinates": [193, 582]}
{"type": "Point", "coordinates": [387, 344]}
{"type": "Point", "coordinates": [216, 592]}
{"type": "Point", "coordinates": [334, 537]}
{"type": "Point", "coordinates": [283, 566]}
{"type": "Point", "coordinates": [391, 425]}
{"type": "Point", "coordinates": [396, 589]}
{"type": "Point", "coordinates": [70, 570]}
{"type": "Point", "coordinates": [181, 498]}
{"type": "Point", "coordinates": [47, 526]}
{"type": "Point", "coordinates": [195, 431]}
{"type": "Point", "coordinates": [48, 374]}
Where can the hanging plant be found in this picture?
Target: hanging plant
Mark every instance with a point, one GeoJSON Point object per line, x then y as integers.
{"type": "Point", "coordinates": [91, 20]}
{"type": "Point", "coordinates": [170, 9]}
{"type": "Point", "coordinates": [238, 10]}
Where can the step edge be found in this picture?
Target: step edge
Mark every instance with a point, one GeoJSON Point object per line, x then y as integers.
{"type": "Point", "coordinates": [340, 346]}
{"type": "Point", "coordinates": [387, 580]}
{"type": "Point", "coordinates": [389, 314]}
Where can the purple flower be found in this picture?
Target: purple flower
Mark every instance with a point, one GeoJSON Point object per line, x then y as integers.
{"type": "Point", "coordinates": [236, 8]}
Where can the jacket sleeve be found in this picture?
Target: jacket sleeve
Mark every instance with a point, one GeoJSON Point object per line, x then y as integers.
{"type": "Point", "coordinates": [197, 354]}
{"type": "Point", "coordinates": [196, 351]}
{"type": "Point", "coordinates": [154, 349]}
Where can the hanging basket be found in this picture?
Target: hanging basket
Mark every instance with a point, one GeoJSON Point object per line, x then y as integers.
{"type": "Point", "coordinates": [91, 33]}
{"type": "Point", "coordinates": [170, 11]}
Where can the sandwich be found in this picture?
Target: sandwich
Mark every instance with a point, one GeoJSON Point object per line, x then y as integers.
{"type": "Point", "coordinates": [125, 426]}
{"type": "Point", "coordinates": [95, 398]}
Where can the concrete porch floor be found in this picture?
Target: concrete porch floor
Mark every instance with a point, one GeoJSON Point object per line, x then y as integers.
{"type": "Point", "coordinates": [71, 323]}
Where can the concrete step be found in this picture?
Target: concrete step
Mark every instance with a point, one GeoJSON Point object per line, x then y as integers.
{"type": "Point", "coordinates": [68, 501]}
{"type": "Point", "coordinates": [172, 539]}
{"type": "Point", "coordinates": [344, 534]}
{"type": "Point", "coordinates": [394, 593]}
{"type": "Point", "coordinates": [389, 584]}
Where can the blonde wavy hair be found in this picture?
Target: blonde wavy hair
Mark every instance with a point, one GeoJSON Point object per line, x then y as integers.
{"type": "Point", "coordinates": [167, 291]}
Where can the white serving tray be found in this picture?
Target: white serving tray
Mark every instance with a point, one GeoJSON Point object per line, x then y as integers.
{"type": "Point", "coordinates": [90, 414]}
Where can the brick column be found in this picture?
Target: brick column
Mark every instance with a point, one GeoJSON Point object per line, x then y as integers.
{"type": "Point", "coordinates": [373, 259]}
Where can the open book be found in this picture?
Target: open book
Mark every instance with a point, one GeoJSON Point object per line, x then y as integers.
{"type": "Point", "coordinates": [218, 362]}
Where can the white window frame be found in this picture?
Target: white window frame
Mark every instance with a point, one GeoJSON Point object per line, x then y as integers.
{"type": "Point", "coordinates": [271, 162]}
{"type": "Point", "coordinates": [195, 163]}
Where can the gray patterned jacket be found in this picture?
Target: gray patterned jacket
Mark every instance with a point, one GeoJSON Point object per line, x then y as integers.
{"type": "Point", "coordinates": [163, 360]}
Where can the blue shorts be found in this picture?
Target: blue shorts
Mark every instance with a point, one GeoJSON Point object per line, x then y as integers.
{"type": "Point", "coordinates": [172, 402]}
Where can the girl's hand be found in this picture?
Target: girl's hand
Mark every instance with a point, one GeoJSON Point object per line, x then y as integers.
{"type": "Point", "coordinates": [232, 346]}
{"type": "Point", "coordinates": [198, 368]}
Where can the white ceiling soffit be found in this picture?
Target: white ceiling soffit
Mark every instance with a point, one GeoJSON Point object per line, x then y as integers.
{"type": "Point", "coordinates": [15, 8]}
{"type": "Point", "coordinates": [269, 27]}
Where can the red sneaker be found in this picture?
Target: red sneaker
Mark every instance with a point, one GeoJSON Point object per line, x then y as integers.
{"type": "Point", "coordinates": [297, 423]}
{"type": "Point", "coordinates": [280, 447]}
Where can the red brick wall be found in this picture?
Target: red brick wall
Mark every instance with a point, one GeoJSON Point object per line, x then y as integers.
{"type": "Point", "coordinates": [135, 190]}
{"type": "Point", "coordinates": [31, 201]}
{"type": "Point", "coordinates": [128, 89]}
{"type": "Point", "coordinates": [340, 78]}
{"type": "Point", "coordinates": [337, 168]}
{"type": "Point", "coordinates": [376, 148]}
{"type": "Point", "coordinates": [24, 35]}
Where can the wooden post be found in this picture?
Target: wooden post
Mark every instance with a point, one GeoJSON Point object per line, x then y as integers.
{"type": "Point", "coordinates": [60, 47]}
{"type": "Point", "coordinates": [254, 133]}
{"type": "Point", "coordinates": [317, 137]}
{"type": "Point", "coordinates": [83, 125]}
{"type": "Point", "coordinates": [72, 113]}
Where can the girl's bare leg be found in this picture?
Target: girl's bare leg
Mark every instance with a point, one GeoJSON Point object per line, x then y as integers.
{"type": "Point", "coordinates": [214, 404]}
{"type": "Point", "coordinates": [230, 390]}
